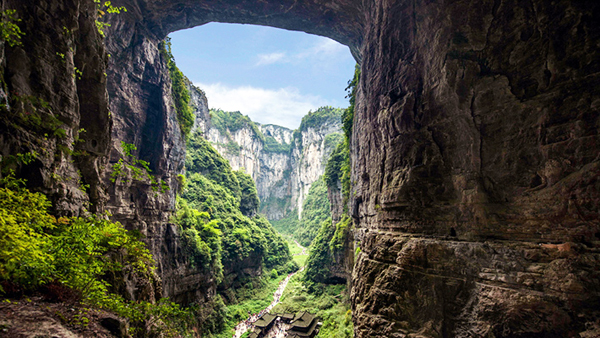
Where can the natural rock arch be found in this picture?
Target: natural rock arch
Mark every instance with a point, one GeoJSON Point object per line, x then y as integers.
{"type": "Point", "coordinates": [478, 116]}
{"type": "Point", "coordinates": [461, 105]}
{"type": "Point", "coordinates": [339, 20]}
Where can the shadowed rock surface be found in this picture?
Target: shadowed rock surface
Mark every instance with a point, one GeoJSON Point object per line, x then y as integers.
{"type": "Point", "coordinates": [475, 149]}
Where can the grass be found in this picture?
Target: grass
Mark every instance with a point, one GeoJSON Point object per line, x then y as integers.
{"type": "Point", "coordinates": [329, 302]}
{"type": "Point", "coordinates": [301, 260]}
{"type": "Point", "coordinates": [296, 249]}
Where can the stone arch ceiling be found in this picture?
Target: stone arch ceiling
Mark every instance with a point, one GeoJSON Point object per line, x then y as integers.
{"type": "Point", "coordinates": [338, 20]}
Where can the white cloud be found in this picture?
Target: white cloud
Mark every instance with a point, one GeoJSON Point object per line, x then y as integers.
{"type": "Point", "coordinates": [328, 46]}
{"type": "Point", "coordinates": [267, 59]}
{"type": "Point", "coordinates": [284, 106]}
{"type": "Point", "coordinates": [324, 50]}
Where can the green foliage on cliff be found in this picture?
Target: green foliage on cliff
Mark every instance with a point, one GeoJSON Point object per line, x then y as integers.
{"type": "Point", "coordinates": [226, 199]}
{"type": "Point", "coordinates": [226, 122]}
{"type": "Point", "coordinates": [10, 32]}
{"type": "Point", "coordinates": [320, 258]}
{"type": "Point", "coordinates": [138, 170]}
{"type": "Point", "coordinates": [223, 235]}
{"type": "Point", "coordinates": [203, 159]}
{"type": "Point", "coordinates": [249, 202]}
{"type": "Point", "coordinates": [272, 146]}
{"type": "Point", "coordinates": [342, 231]}
{"type": "Point", "coordinates": [337, 160]}
{"type": "Point", "coordinates": [337, 170]}
{"type": "Point", "coordinates": [315, 209]}
{"type": "Point", "coordinates": [201, 239]}
{"type": "Point", "coordinates": [37, 248]}
{"type": "Point", "coordinates": [348, 116]}
{"type": "Point", "coordinates": [323, 115]}
{"type": "Point", "coordinates": [41, 252]}
{"type": "Point", "coordinates": [179, 91]}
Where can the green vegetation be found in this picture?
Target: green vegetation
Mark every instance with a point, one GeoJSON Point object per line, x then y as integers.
{"type": "Point", "coordinates": [342, 230]}
{"type": "Point", "coordinates": [10, 32]}
{"type": "Point", "coordinates": [272, 146]}
{"type": "Point", "coordinates": [249, 201]}
{"type": "Point", "coordinates": [105, 7]}
{"type": "Point", "coordinates": [320, 258]}
{"type": "Point", "coordinates": [233, 148]}
{"type": "Point", "coordinates": [296, 250]}
{"type": "Point", "coordinates": [30, 113]}
{"type": "Point", "coordinates": [333, 140]}
{"type": "Point", "coordinates": [138, 169]}
{"type": "Point", "coordinates": [331, 240]}
{"type": "Point", "coordinates": [179, 90]}
{"type": "Point", "coordinates": [201, 239]}
{"type": "Point", "coordinates": [315, 210]}
{"type": "Point", "coordinates": [220, 230]}
{"type": "Point", "coordinates": [320, 117]}
{"type": "Point", "coordinates": [338, 166]}
{"type": "Point", "coordinates": [72, 255]}
{"type": "Point", "coordinates": [338, 159]}
{"type": "Point", "coordinates": [226, 122]}
{"type": "Point", "coordinates": [201, 158]}
{"type": "Point", "coordinates": [329, 302]}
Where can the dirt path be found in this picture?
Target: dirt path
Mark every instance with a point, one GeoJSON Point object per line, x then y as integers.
{"type": "Point", "coordinates": [246, 325]}
{"type": "Point", "coordinates": [303, 249]}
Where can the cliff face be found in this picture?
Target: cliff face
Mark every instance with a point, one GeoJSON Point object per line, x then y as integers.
{"type": "Point", "coordinates": [282, 162]}
{"type": "Point", "coordinates": [475, 163]}
{"type": "Point", "coordinates": [474, 150]}
{"type": "Point", "coordinates": [54, 102]}
{"type": "Point", "coordinates": [309, 156]}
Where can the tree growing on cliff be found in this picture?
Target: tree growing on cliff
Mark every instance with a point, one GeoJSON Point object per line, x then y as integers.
{"type": "Point", "coordinates": [179, 91]}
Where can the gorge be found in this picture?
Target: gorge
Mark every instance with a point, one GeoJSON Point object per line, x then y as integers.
{"type": "Point", "coordinates": [474, 149]}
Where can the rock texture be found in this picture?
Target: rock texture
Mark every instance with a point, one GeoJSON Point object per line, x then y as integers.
{"type": "Point", "coordinates": [474, 152]}
{"type": "Point", "coordinates": [283, 177]}
{"type": "Point", "coordinates": [475, 163]}
{"type": "Point", "coordinates": [54, 102]}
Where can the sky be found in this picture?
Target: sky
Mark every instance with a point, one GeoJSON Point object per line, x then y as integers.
{"type": "Point", "coordinates": [272, 75]}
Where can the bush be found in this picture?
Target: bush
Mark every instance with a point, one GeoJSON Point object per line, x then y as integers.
{"type": "Point", "coordinates": [66, 258]}
{"type": "Point", "coordinates": [179, 91]}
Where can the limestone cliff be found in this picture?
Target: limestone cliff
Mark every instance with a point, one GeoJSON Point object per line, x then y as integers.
{"type": "Point", "coordinates": [283, 163]}
{"type": "Point", "coordinates": [475, 168]}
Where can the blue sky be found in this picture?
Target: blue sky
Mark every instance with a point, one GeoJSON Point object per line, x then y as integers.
{"type": "Point", "coordinates": [272, 75]}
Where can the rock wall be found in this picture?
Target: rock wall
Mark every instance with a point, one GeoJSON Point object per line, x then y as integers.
{"type": "Point", "coordinates": [475, 170]}
{"type": "Point", "coordinates": [54, 102]}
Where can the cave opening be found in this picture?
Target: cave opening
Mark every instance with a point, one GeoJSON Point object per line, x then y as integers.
{"type": "Point", "coordinates": [274, 76]}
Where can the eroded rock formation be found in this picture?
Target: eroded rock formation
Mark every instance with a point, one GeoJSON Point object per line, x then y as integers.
{"type": "Point", "coordinates": [474, 150]}
{"type": "Point", "coordinates": [283, 171]}
{"type": "Point", "coordinates": [475, 145]}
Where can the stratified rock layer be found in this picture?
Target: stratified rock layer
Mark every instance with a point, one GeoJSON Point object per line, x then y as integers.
{"type": "Point", "coordinates": [475, 163]}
